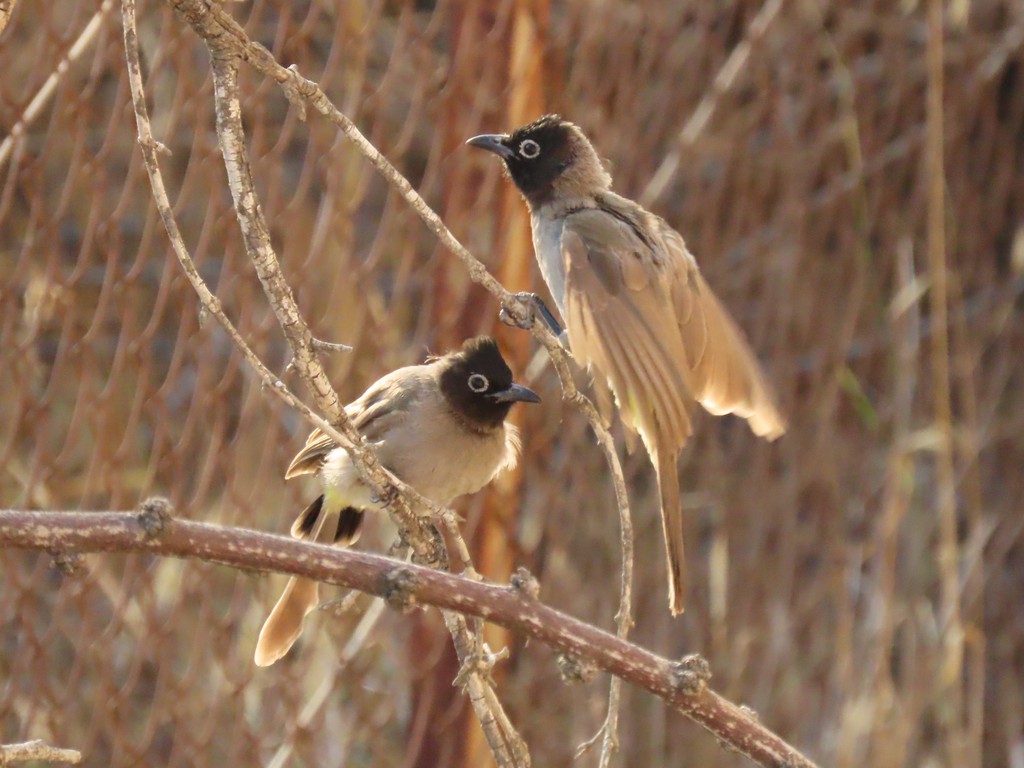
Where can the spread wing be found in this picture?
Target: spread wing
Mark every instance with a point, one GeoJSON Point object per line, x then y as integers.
{"type": "Point", "coordinates": [386, 402]}
{"type": "Point", "coordinates": [639, 312]}
{"type": "Point", "coordinates": [621, 323]}
{"type": "Point", "coordinates": [724, 372]}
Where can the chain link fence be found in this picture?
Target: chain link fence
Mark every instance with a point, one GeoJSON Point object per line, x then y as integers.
{"type": "Point", "coordinates": [814, 561]}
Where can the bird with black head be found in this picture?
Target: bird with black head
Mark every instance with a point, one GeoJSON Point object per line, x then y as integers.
{"type": "Point", "coordinates": [440, 427]}
{"type": "Point", "coordinates": [637, 310]}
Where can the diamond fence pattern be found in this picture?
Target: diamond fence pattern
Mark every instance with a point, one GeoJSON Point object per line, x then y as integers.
{"type": "Point", "coordinates": [816, 578]}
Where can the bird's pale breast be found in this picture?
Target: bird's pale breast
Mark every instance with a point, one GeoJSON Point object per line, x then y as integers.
{"type": "Point", "coordinates": [547, 244]}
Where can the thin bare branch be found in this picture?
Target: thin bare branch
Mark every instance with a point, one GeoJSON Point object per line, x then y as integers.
{"type": "Point", "coordinates": [37, 750]}
{"type": "Point", "coordinates": [256, 235]}
{"type": "Point", "coordinates": [44, 94]}
{"type": "Point", "coordinates": [681, 684]}
{"type": "Point", "coordinates": [951, 679]}
{"type": "Point", "coordinates": [722, 82]}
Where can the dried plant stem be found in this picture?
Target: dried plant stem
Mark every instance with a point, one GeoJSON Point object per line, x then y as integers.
{"type": "Point", "coordinates": [315, 702]}
{"type": "Point", "coordinates": [951, 691]}
{"type": "Point", "coordinates": [43, 96]}
{"type": "Point", "coordinates": [37, 750]}
{"type": "Point", "coordinates": [681, 684]}
{"type": "Point", "coordinates": [722, 82]}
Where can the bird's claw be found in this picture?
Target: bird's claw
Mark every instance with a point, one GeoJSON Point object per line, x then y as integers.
{"type": "Point", "coordinates": [529, 307]}
{"type": "Point", "coordinates": [521, 313]}
{"type": "Point", "coordinates": [387, 496]}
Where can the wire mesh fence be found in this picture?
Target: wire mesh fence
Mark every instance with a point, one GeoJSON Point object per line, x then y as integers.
{"type": "Point", "coordinates": [815, 561]}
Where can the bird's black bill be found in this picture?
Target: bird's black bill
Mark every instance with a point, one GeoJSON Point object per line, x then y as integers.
{"type": "Point", "coordinates": [516, 394]}
{"type": "Point", "coordinates": [492, 142]}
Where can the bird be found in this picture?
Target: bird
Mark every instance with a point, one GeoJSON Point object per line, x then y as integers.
{"type": "Point", "coordinates": [440, 427]}
{"type": "Point", "coordinates": [638, 313]}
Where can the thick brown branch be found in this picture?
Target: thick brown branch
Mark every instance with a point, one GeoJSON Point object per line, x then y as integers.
{"type": "Point", "coordinates": [680, 684]}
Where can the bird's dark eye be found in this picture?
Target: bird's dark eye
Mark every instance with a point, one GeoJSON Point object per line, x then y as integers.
{"type": "Point", "coordinates": [529, 149]}
{"type": "Point", "coordinates": [478, 383]}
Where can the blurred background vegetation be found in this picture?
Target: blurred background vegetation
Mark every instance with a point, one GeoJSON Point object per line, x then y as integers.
{"type": "Point", "coordinates": [817, 563]}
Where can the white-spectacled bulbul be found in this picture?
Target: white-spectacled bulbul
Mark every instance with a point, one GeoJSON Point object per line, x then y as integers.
{"type": "Point", "coordinates": [636, 307]}
{"type": "Point", "coordinates": [439, 427]}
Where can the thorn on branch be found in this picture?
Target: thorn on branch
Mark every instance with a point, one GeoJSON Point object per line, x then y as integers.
{"type": "Point", "coordinates": [70, 564]}
{"type": "Point", "coordinates": [330, 346]}
{"type": "Point", "coordinates": [573, 669]}
{"type": "Point", "coordinates": [154, 515]}
{"type": "Point", "coordinates": [525, 583]}
{"type": "Point", "coordinates": [155, 146]}
{"type": "Point", "coordinates": [342, 606]}
{"type": "Point", "coordinates": [481, 663]}
{"type": "Point", "coordinates": [399, 584]}
{"type": "Point", "coordinates": [318, 345]}
{"type": "Point", "coordinates": [749, 712]}
{"type": "Point", "coordinates": [691, 674]}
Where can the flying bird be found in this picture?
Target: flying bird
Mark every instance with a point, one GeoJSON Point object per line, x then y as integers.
{"type": "Point", "coordinates": [637, 311]}
{"type": "Point", "coordinates": [440, 427]}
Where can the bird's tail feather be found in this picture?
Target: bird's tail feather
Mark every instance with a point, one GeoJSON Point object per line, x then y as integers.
{"type": "Point", "coordinates": [664, 460]}
{"type": "Point", "coordinates": [284, 624]}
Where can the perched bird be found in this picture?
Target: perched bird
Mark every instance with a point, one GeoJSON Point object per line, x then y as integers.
{"type": "Point", "coordinates": [637, 310]}
{"type": "Point", "coordinates": [439, 427]}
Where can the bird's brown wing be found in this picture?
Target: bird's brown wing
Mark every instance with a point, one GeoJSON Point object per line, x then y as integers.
{"type": "Point", "coordinates": [388, 399]}
{"type": "Point", "coordinates": [640, 312]}
{"type": "Point", "coordinates": [622, 324]}
{"type": "Point", "coordinates": [724, 374]}
{"type": "Point", "coordinates": [308, 460]}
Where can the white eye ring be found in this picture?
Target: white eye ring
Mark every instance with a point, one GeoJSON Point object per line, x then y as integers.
{"type": "Point", "coordinates": [529, 149]}
{"type": "Point", "coordinates": [478, 382]}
